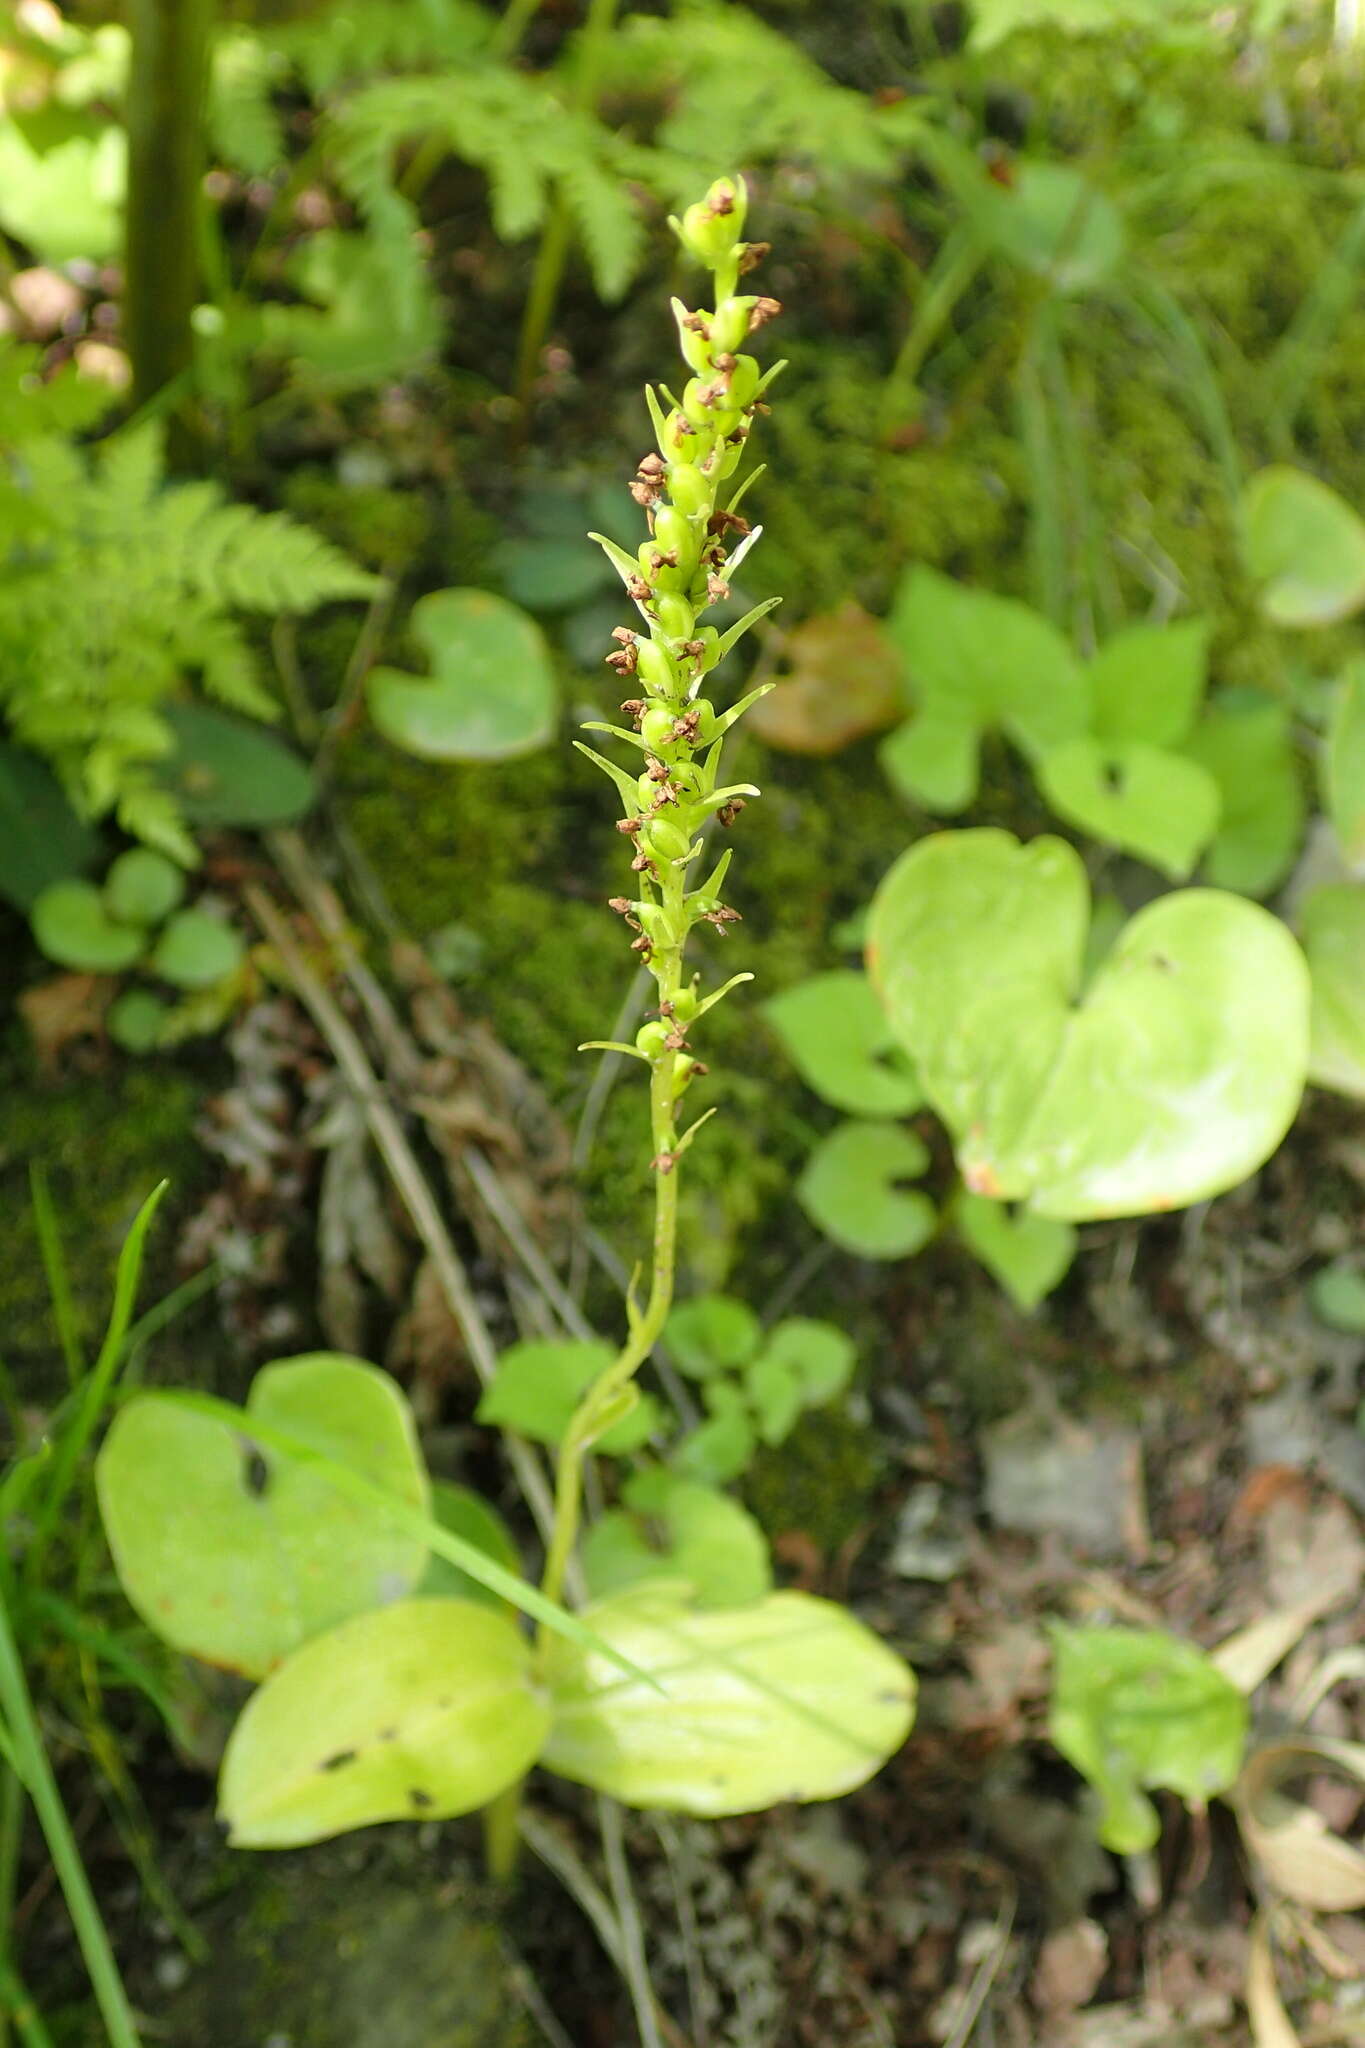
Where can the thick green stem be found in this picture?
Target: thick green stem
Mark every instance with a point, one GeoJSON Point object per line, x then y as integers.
{"type": "Point", "coordinates": [167, 87]}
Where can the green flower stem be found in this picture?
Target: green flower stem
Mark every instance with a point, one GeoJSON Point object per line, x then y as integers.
{"type": "Point", "coordinates": [673, 577]}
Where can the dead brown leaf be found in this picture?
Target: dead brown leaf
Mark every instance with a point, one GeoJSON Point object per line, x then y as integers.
{"type": "Point", "coordinates": [62, 1011]}
{"type": "Point", "coordinates": [842, 682]}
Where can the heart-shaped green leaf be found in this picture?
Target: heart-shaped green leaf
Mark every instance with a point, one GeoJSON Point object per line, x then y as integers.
{"type": "Point", "coordinates": [1147, 683]}
{"type": "Point", "coordinates": [1134, 1708]}
{"type": "Point", "coordinates": [415, 1712]}
{"type": "Point", "coordinates": [1304, 545]}
{"type": "Point", "coordinates": [788, 1698]}
{"type": "Point", "coordinates": [195, 950]}
{"type": "Point", "coordinates": [227, 772]}
{"type": "Point", "coordinates": [1337, 1295]}
{"type": "Point", "coordinates": [674, 1528]}
{"type": "Point", "coordinates": [1176, 1076]}
{"type": "Point", "coordinates": [1332, 927]}
{"type": "Point", "coordinates": [237, 1558]}
{"type": "Point", "coordinates": [136, 1020]}
{"type": "Point", "coordinates": [712, 1333]}
{"type": "Point", "coordinates": [1245, 743]}
{"type": "Point", "coordinates": [1344, 766]}
{"type": "Point", "coordinates": [539, 1385]}
{"type": "Point", "coordinates": [72, 924]}
{"type": "Point", "coordinates": [976, 663]}
{"type": "Point", "coordinates": [837, 1034]}
{"type": "Point", "coordinates": [720, 1448]}
{"type": "Point", "coordinates": [1027, 1254]}
{"type": "Point", "coordinates": [143, 886]}
{"type": "Point", "coordinates": [850, 1190]}
{"type": "Point", "coordinates": [819, 1357]}
{"type": "Point", "coordinates": [492, 689]}
{"type": "Point", "coordinates": [1154, 804]}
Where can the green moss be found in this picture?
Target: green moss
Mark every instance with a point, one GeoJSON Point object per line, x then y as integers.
{"type": "Point", "coordinates": [104, 1141]}
{"type": "Point", "coordinates": [822, 1481]}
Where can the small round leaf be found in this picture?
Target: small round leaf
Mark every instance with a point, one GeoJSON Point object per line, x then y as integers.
{"type": "Point", "coordinates": [1332, 926]}
{"type": "Point", "coordinates": [136, 1020]}
{"type": "Point", "coordinates": [712, 1333]}
{"type": "Point", "coordinates": [1304, 545]}
{"type": "Point", "coordinates": [143, 886]}
{"type": "Point", "coordinates": [195, 950]}
{"type": "Point", "coordinates": [74, 928]}
{"type": "Point", "coordinates": [838, 1037]}
{"type": "Point", "coordinates": [1028, 1255]}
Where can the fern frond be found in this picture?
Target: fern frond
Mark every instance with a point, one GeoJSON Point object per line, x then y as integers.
{"type": "Point", "coordinates": [244, 127]}
{"type": "Point", "coordinates": [607, 223]}
{"type": "Point", "coordinates": [217, 647]}
{"type": "Point", "coordinates": [151, 814]}
{"type": "Point", "coordinates": [264, 562]}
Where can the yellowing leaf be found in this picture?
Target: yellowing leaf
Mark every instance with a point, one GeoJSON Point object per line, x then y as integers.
{"type": "Point", "coordinates": [789, 1698]}
{"type": "Point", "coordinates": [842, 682]}
{"type": "Point", "coordinates": [413, 1712]}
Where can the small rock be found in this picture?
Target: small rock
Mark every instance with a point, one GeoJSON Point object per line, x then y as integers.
{"type": "Point", "coordinates": [1053, 1477]}
{"type": "Point", "coordinates": [1070, 1966]}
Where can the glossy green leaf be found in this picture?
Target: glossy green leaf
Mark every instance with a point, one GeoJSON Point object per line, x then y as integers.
{"type": "Point", "coordinates": [550, 574]}
{"type": "Point", "coordinates": [1174, 1078]}
{"type": "Point", "coordinates": [195, 950]}
{"type": "Point", "coordinates": [673, 1528]}
{"type": "Point", "coordinates": [143, 886]}
{"type": "Point", "coordinates": [976, 663]}
{"type": "Point", "coordinates": [225, 771]}
{"type": "Point", "coordinates": [1244, 741]}
{"type": "Point", "coordinates": [73, 927]}
{"type": "Point", "coordinates": [712, 1333]}
{"type": "Point", "coordinates": [819, 1356]}
{"type": "Point", "coordinates": [414, 1712]}
{"type": "Point", "coordinates": [836, 1033]}
{"type": "Point", "coordinates": [41, 839]}
{"type": "Point", "coordinates": [468, 1515]}
{"type": "Point", "coordinates": [1332, 927]}
{"type": "Point", "coordinates": [539, 1385]}
{"type": "Point", "coordinates": [237, 1557]}
{"type": "Point", "coordinates": [1151, 803]}
{"type": "Point", "coordinates": [1029, 1255]}
{"type": "Point", "coordinates": [1135, 1709]}
{"type": "Point", "coordinates": [1147, 682]}
{"type": "Point", "coordinates": [1343, 775]}
{"type": "Point", "coordinates": [492, 689]}
{"type": "Point", "coordinates": [850, 1189]}
{"type": "Point", "coordinates": [789, 1698]}
{"type": "Point", "coordinates": [1304, 545]}
{"type": "Point", "coordinates": [774, 1394]}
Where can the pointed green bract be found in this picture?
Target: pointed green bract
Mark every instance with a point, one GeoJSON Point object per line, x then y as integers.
{"type": "Point", "coordinates": [789, 1698]}
{"type": "Point", "coordinates": [414, 1712]}
{"type": "Point", "coordinates": [850, 1189]}
{"type": "Point", "coordinates": [1176, 1076]}
{"type": "Point", "coordinates": [491, 693]}
{"type": "Point", "coordinates": [236, 1557]}
{"type": "Point", "coordinates": [837, 1034]}
{"type": "Point", "coordinates": [1135, 1709]}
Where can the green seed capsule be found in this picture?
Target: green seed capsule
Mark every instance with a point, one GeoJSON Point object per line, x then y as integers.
{"type": "Point", "coordinates": [647, 790]}
{"type": "Point", "coordinates": [683, 1068]}
{"type": "Point", "coordinates": [685, 1004]}
{"type": "Point", "coordinates": [725, 419]}
{"type": "Point", "coordinates": [656, 728]}
{"type": "Point", "coordinates": [710, 639]}
{"type": "Point", "coordinates": [688, 488]}
{"type": "Point", "coordinates": [649, 1039]}
{"type": "Point", "coordinates": [743, 381]}
{"type": "Point", "coordinates": [696, 408]}
{"type": "Point", "coordinates": [730, 325]}
{"type": "Point", "coordinates": [656, 668]}
{"type": "Point", "coordinates": [676, 616]}
{"type": "Point", "coordinates": [672, 529]}
{"type": "Point", "coordinates": [706, 719]}
{"type": "Point", "coordinates": [680, 436]}
{"type": "Point", "coordinates": [664, 839]}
